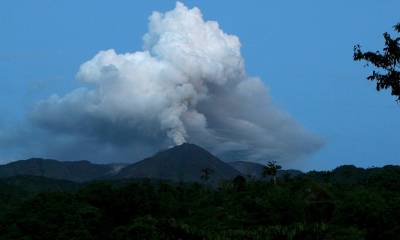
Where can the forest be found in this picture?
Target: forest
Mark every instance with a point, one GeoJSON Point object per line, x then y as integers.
{"type": "Point", "coordinates": [346, 203]}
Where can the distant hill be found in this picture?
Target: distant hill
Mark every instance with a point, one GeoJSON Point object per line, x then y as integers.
{"type": "Point", "coordinates": [254, 170]}
{"type": "Point", "coordinates": [349, 174]}
{"type": "Point", "coordinates": [77, 171]}
{"type": "Point", "coordinates": [180, 163]}
{"type": "Point", "coordinates": [249, 169]}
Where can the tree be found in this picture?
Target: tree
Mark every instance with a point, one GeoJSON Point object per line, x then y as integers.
{"type": "Point", "coordinates": [206, 173]}
{"type": "Point", "coordinates": [239, 183]}
{"type": "Point", "coordinates": [387, 63]}
{"type": "Point", "coordinates": [271, 169]}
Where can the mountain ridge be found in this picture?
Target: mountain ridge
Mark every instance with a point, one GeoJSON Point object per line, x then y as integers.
{"type": "Point", "coordinates": [184, 162]}
{"type": "Point", "coordinates": [181, 163]}
{"type": "Point", "coordinates": [77, 171]}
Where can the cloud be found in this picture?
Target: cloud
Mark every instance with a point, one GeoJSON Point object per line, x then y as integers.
{"type": "Point", "coordinates": [187, 84]}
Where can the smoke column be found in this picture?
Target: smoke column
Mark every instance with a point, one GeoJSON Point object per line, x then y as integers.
{"type": "Point", "coordinates": [188, 83]}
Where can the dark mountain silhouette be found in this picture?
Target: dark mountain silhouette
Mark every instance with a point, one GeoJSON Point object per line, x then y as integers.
{"type": "Point", "coordinates": [77, 171]}
{"type": "Point", "coordinates": [254, 170]}
{"type": "Point", "coordinates": [250, 169]}
{"type": "Point", "coordinates": [184, 163]}
{"type": "Point", "coordinates": [180, 163]}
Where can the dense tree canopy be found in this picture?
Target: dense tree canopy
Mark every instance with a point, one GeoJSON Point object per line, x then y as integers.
{"type": "Point", "coordinates": [386, 63]}
{"type": "Point", "coordinates": [347, 203]}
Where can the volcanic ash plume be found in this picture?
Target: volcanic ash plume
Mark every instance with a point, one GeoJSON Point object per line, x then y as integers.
{"type": "Point", "coordinates": [187, 84]}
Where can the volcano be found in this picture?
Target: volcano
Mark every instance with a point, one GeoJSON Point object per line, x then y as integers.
{"type": "Point", "coordinates": [183, 163]}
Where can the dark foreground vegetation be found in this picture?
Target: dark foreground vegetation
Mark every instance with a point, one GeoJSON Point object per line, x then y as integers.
{"type": "Point", "coordinates": [347, 203]}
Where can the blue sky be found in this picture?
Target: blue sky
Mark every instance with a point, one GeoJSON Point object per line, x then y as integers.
{"type": "Point", "coordinates": [301, 49]}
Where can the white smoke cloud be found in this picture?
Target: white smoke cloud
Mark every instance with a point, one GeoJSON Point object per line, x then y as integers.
{"type": "Point", "coordinates": [187, 84]}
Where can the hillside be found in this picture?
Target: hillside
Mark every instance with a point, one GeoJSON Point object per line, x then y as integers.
{"type": "Point", "coordinates": [78, 171]}
{"type": "Point", "coordinates": [181, 163]}
{"type": "Point", "coordinates": [254, 170]}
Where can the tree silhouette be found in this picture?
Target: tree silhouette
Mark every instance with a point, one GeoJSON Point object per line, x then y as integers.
{"type": "Point", "coordinates": [271, 169]}
{"type": "Point", "coordinates": [387, 63]}
{"type": "Point", "coordinates": [205, 174]}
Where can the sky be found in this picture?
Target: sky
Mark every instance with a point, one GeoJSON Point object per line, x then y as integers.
{"type": "Point", "coordinates": [302, 51]}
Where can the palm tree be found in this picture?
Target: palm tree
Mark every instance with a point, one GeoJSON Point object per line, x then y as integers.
{"type": "Point", "coordinates": [271, 169]}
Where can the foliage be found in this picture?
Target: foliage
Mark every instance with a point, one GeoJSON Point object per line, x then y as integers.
{"type": "Point", "coordinates": [387, 62]}
{"type": "Point", "coordinates": [346, 203]}
{"type": "Point", "coordinates": [271, 169]}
